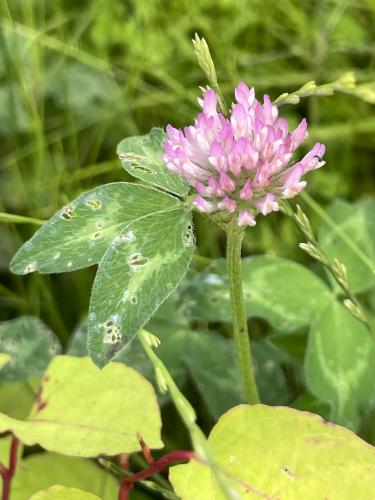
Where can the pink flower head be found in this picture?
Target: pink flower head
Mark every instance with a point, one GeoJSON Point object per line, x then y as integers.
{"type": "Point", "coordinates": [240, 164]}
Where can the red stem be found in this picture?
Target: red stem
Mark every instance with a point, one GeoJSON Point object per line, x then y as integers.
{"type": "Point", "coordinates": [8, 473]}
{"type": "Point", "coordinates": [155, 467]}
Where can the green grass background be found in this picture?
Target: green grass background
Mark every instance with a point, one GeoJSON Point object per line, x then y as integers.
{"type": "Point", "coordinates": [78, 76]}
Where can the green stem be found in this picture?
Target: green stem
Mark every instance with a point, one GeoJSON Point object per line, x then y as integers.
{"type": "Point", "coordinates": [240, 331]}
{"type": "Point", "coordinates": [19, 219]}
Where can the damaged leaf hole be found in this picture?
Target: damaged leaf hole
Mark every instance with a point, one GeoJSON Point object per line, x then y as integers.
{"type": "Point", "coordinates": [132, 299]}
{"type": "Point", "coordinates": [135, 161]}
{"type": "Point", "coordinates": [188, 237]}
{"type": "Point", "coordinates": [143, 169]}
{"type": "Point", "coordinates": [30, 268]}
{"type": "Point", "coordinates": [137, 261]}
{"type": "Point", "coordinates": [67, 212]}
{"type": "Point", "coordinates": [112, 333]}
{"type": "Point", "coordinates": [99, 227]}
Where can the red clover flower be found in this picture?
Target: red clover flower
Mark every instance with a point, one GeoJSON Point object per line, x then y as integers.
{"type": "Point", "coordinates": [240, 164]}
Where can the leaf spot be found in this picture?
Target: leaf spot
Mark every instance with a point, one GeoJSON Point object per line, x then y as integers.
{"type": "Point", "coordinates": [287, 471]}
{"type": "Point", "coordinates": [136, 261]}
{"type": "Point", "coordinates": [30, 268]}
{"type": "Point", "coordinates": [135, 161]}
{"type": "Point", "coordinates": [56, 255]}
{"type": "Point", "coordinates": [94, 204]}
{"type": "Point", "coordinates": [188, 237]}
{"type": "Point", "coordinates": [70, 263]}
{"type": "Point", "coordinates": [112, 333]}
{"type": "Point", "coordinates": [128, 237]}
{"type": "Point", "coordinates": [133, 299]}
{"type": "Point", "coordinates": [67, 212]}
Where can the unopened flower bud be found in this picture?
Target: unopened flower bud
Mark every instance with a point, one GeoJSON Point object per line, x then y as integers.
{"type": "Point", "coordinates": [304, 223]}
{"type": "Point", "coordinates": [313, 251]}
{"type": "Point", "coordinates": [340, 272]}
{"type": "Point", "coordinates": [160, 380]}
{"type": "Point", "coordinates": [355, 310]}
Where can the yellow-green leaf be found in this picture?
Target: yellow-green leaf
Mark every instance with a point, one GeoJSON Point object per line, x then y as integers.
{"type": "Point", "coordinates": [281, 453]}
{"type": "Point", "coordinates": [4, 358]}
{"type": "Point", "coordinates": [85, 411]}
{"type": "Point", "coordinates": [63, 493]}
{"type": "Point", "coordinates": [43, 470]}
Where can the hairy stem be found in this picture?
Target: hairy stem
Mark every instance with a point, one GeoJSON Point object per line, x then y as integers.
{"type": "Point", "coordinates": [240, 331]}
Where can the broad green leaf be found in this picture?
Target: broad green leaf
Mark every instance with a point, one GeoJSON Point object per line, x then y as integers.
{"type": "Point", "coordinates": [282, 292]}
{"type": "Point", "coordinates": [271, 381]}
{"type": "Point", "coordinates": [58, 492]}
{"type": "Point", "coordinates": [141, 156]}
{"type": "Point", "coordinates": [135, 277]}
{"type": "Point", "coordinates": [84, 411]}
{"type": "Point", "coordinates": [77, 345]}
{"type": "Point", "coordinates": [310, 403]}
{"type": "Point", "coordinates": [43, 470]}
{"type": "Point", "coordinates": [290, 345]}
{"type": "Point", "coordinates": [281, 453]}
{"type": "Point", "coordinates": [211, 361]}
{"type": "Point", "coordinates": [78, 235]}
{"type": "Point", "coordinates": [353, 243]}
{"type": "Point", "coordinates": [87, 91]}
{"type": "Point", "coordinates": [339, 364]}
{"type": "Point", "coordinates": [30, 344]}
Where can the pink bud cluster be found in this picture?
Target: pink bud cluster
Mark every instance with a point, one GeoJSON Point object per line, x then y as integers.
{"type": "Point", "coordinates": [240, 164]}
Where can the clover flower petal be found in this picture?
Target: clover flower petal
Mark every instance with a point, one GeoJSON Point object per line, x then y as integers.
{"type": "Point", "coordinates": [240, 164]}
